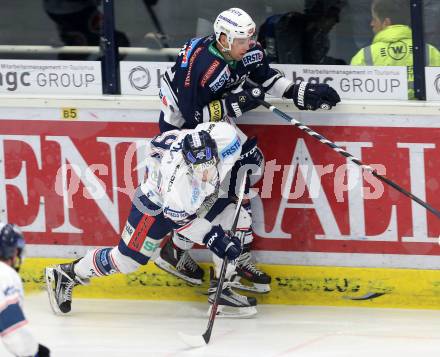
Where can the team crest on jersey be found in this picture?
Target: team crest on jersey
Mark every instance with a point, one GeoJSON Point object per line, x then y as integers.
{"type": "Point", "coordinates": [252, 57]}
{"type": "Point", "coordinates": [221, 79]}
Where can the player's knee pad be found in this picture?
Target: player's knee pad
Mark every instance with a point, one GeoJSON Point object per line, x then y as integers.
{"type": "Point", "coordinates": [226, 218]}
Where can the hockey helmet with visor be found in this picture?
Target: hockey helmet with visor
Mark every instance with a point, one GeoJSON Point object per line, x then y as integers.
{"type": "Point", "coordinates": [200, 152]}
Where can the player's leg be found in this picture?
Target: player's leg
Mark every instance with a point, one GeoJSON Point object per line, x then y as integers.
{"type": "Point", "coordinates": [175, 259]}
{"type": "Point", "coordinates": [256, 280]}
{"type": "Point", "coordinates": [142, 234]}
{"type": "Point", "coordinates": [246, 268]}
{"type": "Point", "coordinates": [231, 304]}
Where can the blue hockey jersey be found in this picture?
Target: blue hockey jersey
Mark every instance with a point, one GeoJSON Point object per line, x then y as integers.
{"type": "Point", "coordinates": [194, 87]}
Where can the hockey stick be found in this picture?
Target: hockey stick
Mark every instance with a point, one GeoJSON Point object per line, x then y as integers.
{"type": "Point", "coordinates": [339, 150]}
{"type": "Point", "coordinates": [202, 340]}
{"type": "Point", "coordinates": [161, 37]}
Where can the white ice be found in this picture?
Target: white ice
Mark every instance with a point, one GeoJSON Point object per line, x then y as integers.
{"type": "Point", "coordinates": [119, 328]}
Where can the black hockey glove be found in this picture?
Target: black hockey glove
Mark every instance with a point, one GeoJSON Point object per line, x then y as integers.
{"type": "Point", "coordinates": [251, 157]}
{"type": "Point", "coordinates": [43, 351]}
{"type": "Point", "coordinates": [242, 100]}
{"type": "Point", "coordinates": [222, 244]}
{"type": "Point", "coordinates": [308, 96]}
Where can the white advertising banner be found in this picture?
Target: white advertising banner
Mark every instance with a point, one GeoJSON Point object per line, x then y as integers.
{"type": "Point", "coordinates": [432, 79]}
{"type": "Point", "coordinates": [142, 78]}
{"type": "Point", "coordinates": [50, 77]}
{"type": "Point", "coordinates": [353, 82]}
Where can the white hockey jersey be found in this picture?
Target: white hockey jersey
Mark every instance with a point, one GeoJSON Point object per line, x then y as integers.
{"type": "Point", "coordinates": [13, 330]}
{"type": "Point", "coordinates": [170, 183]}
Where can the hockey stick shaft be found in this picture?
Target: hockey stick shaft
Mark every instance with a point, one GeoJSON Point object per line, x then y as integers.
{"type": "Point", "coordinates": [344, 153]}
{"type": "Point", "coordinates": [221, 280]}
{"type": "Point", "coordinates": [162, 37]}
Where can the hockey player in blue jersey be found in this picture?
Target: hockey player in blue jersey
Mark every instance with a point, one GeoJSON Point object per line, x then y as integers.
{"type": "Point", "coordinates": [207, 84]}
{"type": "Point", "coordinates": [13, 325]}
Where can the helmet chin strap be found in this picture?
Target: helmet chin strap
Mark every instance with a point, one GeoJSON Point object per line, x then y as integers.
{"type": "Point", "coordinates": [225, 51]}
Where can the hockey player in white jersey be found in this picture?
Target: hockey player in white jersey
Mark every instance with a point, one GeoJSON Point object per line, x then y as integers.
{"type": "Point", "coordinates": [13, 325]}
{"type": "Point", "coordinates": [183, 191]}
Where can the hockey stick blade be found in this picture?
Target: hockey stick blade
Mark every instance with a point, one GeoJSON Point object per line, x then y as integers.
{"type": "Point", "coordinates": [193, 340]}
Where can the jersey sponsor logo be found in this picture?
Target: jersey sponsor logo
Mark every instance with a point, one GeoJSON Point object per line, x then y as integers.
{"type": "Point", "coordinates": [149, 246]}
{"type": "Point", "coordinates": [231, 148]}
{"type": "Point", "coordinates": [209, 72]}
{"type": "Point", "coordinates": [190, 67]}
{"type": "Point", "coordinates": [186, 51]}
{"type": "Point", "coordinates": [252, 57]}
{"type": "Point", "coordinates": [215, 111]}
{"type": "Point", "coordinates": [236, 109]}
{"type": "Point", "coordinates": [175, 214]}
{"type": "Point", "coordinates": [195, 195]}
{"type": "Point", "coordinates": [221, 79]}
{"type": "Point", "coordinates": [140, 234]}
{"type": "Point", "coordinates": [127, 233]}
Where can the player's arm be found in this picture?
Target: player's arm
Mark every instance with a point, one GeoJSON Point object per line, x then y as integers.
{"type": "Point", "coordinates": [200, 230]}
{"type": "Point", "coordinates": [14, 331]}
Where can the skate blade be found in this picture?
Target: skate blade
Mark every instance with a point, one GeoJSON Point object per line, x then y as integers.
{"type": "Point", "coordinates": [256, 288]}
{"type": "Point", "coordinates": [230, 312]}
{"type": "Point", "coordinates": [50, 287]}
{"type": "Point", "coordinates": [162, 264]}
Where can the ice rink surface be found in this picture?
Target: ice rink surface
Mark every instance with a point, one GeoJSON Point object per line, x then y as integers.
{"type": "Point", "coordinates": [119, 328]}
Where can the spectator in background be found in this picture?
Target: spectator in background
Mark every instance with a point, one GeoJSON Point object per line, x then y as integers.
{"type": "Point", "coordinates": [392, 43]}
{"type": "Point", "coordinates": [302, 38]}
{"type": "Point", "coordinates": [79, 23]}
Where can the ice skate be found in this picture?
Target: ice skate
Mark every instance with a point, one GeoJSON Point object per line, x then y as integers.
{"type": "Point", "coordinates": [255, 280]}
{"type": "Point", "coordinates": [179, 263]}
{"type": "Point", "coordinates": [231, 304]}
{"type": "Point", "coordinates": [60, 281]}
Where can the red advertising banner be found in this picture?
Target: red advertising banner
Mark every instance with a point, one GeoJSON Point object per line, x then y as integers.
{"type": "Point", "coordinates": [69, 183]}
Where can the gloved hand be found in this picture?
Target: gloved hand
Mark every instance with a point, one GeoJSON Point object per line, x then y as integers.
{"type": "Point", "coordinates": [241, 100]}
{"type": "Point", "coordinates": [308, 96]}
{"type": "Point", "coordinates": [221, 244]}
{"type": "Point", "coordinates": [43, 351]}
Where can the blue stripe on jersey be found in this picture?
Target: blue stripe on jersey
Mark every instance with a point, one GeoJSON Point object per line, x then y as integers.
{"type": "Point", "coordinates": [11, 316]}
{"type": "Point", "coordinates": [188, 52]}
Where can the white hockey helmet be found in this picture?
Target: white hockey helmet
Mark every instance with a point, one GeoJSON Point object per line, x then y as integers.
{"type": "Point", "coordinates": [234, 23]}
